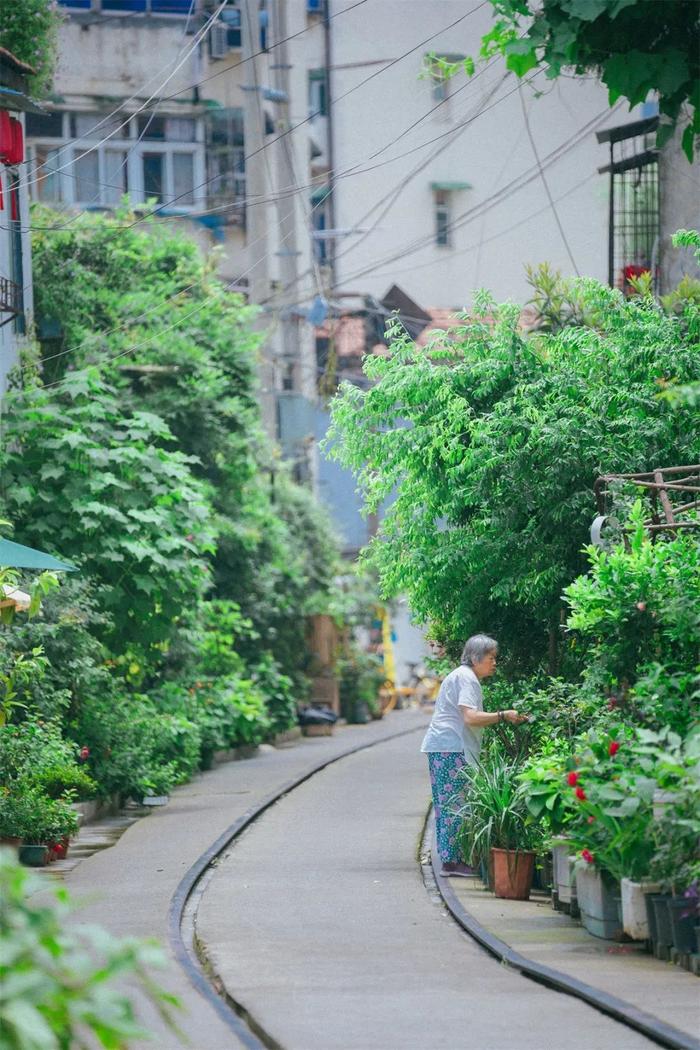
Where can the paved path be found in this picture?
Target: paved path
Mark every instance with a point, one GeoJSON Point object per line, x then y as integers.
{"type": "Point", "coordinates": [319, 924]}
{"type": "Point", "coordinates": [128, 888]}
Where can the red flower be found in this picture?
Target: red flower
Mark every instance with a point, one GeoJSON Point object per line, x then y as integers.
{"type": "Point", "coordinates": [572, 779]}
{"type": "Point", "coordinates": [612, 703]}
{"type": "Point", "coordinates": [84, 753]}
{"type": "Point", "coordinates": [587, 856]}
{"type": "Point", "coordinates": [642, 606]}
{"type": "Point", "coordinates": [580, 794]}
{"type": "Point", "coordinates": [591, 819]}
{"type": "Point", "coordinates": [613, 748]}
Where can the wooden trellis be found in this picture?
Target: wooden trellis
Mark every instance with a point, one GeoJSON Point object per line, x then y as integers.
{"type": "Point", "coordinates": [670, 489]}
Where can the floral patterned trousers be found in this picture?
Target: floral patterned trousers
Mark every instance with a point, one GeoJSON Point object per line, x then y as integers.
{"type": "Point", "coordinates": [448, 788]}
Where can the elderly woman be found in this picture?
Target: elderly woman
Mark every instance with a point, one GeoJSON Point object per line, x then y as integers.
{"type": "Point", "coordinates": [453, 740]}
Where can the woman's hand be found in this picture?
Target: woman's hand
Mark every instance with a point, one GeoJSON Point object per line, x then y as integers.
{"type": "Point", "coordinates": [514, 717]}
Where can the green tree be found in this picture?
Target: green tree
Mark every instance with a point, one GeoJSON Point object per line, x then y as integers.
{"type": "Point", "coordinates": [29, 29]}
{"type": "Point", "coordinates": [489, 440]}
{"type": "Point", "coordinates": [636, 47]}
{"type": "Point", "coordinates": [84, 477]}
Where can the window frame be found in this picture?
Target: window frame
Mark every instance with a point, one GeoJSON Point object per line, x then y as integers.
{"type": "Point", "coordinates": [134, 148]}
{"type": "Point", "coordinates": [442, 209]}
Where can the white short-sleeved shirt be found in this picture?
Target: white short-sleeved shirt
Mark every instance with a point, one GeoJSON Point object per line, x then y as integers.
{"type": "Point", "coordinates": [447, 730]}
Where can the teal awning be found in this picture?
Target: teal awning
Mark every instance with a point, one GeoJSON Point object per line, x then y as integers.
{"type": "Point", "coordinates": [450, 185]}
{"type": "Point", "coordinates": [16, 556]}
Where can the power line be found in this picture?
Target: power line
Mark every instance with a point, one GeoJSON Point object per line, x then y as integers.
{"type": "Point", "coordinates": [524, 179]}
{"type": "Point", "coordinates": [195, 43]}
{"type": "Point", "coordinates": [545, 183]}
{"type": "Point", "coordinates": [288, 131]}
{"type": "Point", "coordinates": [332, 102]}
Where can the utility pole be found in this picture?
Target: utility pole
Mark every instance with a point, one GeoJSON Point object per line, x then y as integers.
{"type": "Point", "coordinates": [298, 351]}
{"type": "Point", "coordinates": [257, 214]}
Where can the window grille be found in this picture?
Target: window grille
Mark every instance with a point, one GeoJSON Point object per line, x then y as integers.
{"type": "Point", "coordinates": [633, 233]}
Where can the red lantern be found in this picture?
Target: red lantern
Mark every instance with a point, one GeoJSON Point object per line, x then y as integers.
{"type": "Point", "coordinates": [11, 139]}
{"type": "Point", "coordinates": [5, 136]}
{"type": "Point", "coordinates": [17, 155]}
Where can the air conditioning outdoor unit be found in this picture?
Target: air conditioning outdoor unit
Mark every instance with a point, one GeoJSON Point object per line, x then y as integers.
{"type": "Point", "coordinates": [218, 40]}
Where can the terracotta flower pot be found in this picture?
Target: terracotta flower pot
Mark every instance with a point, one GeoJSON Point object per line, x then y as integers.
{"type": "Point", "coordinates": [513, 871]}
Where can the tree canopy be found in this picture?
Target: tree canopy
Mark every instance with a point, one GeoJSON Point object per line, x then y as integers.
{"type": "Point", "coordinates": [636, 47]}
{"type": "Point", "coordinates": [488, 442]}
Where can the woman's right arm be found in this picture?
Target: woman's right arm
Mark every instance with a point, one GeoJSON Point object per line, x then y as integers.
{"type": "Point", "coordinates": [479, 719]}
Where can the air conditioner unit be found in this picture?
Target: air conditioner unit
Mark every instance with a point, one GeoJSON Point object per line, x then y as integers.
{"type": "Point", "coordinates": [218, 40]}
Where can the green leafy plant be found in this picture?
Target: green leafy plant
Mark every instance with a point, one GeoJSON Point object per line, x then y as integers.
{"type": "Point", "coordinates": [495, 814]}
{"type": "Point", "coordinates": [26, 812]}
{"type": "Point", "coordinates": [30, 31]}
{"type": "Point", "coordinates": [639, 604]}
{"type": "Point", "coordinates": [59, 985]}
{"type": "Point", "coordinates": [488, 441]}
{"type": "Point", "coordinates": [636, 48]}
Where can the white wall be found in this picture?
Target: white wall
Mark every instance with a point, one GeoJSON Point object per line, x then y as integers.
{"type": "Point", "coordinates": [494, 149]}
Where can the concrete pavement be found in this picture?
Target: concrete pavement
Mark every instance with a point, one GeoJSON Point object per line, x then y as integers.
{"type": "Point", "coordinates": [128, 888]}
{"type": "Point", "coordinates": [319, 924]}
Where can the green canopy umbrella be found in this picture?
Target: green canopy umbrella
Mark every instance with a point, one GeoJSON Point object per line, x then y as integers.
{"type": "Point", "coordinates": [16, 556]}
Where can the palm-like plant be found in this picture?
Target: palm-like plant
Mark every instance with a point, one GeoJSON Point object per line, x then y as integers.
{"type": "Point", "coordinates": [495, 814]}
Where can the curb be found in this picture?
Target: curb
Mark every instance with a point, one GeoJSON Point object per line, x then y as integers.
{"type": "Point", "coordinates": [193, 959]}
{"type": "Point", "coordinates": [619, 1009]}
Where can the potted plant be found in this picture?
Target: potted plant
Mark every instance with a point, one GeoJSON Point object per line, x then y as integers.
{"type": "Point", "coordinates": [496, 826]}
{"type": "Point", "coordinates": [612, 830]}
{"type": "Point", "coordinates": [48, 821]}
{"type": "Point", "coordinates": [548, 801]}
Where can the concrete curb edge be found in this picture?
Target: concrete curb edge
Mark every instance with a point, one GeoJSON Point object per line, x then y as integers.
{"type": "Point", "coordinates": [619, 1009]}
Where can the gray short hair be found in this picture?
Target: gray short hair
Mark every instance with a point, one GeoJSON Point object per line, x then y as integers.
{"type": "Point", "coordinates": [477, 647]}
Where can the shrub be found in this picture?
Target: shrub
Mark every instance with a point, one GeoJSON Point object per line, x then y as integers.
{"type": "Point", "coordinates": [58, 985]}
{"type": "Point", "coordinates": [639, 605]}
{"type": "Point", "coordinates": [36, 753]}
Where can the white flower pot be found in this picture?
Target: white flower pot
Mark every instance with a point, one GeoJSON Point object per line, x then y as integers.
{"type": "Point", "coordinates": [596, 900]}
{"type": "Point", "coordinates": [563, 871]}
{"type": "Point", "coordinates": [634, 912]}
{"type": "Point", "coordinates": [155, 800]}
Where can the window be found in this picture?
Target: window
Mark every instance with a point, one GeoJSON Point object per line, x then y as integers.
{"type": "Point", "coordinates": [116, 179]}
{"type": "Point", "coordinates": [137, 7]}
{"type": "Point", "coordinates": [151, 156]}
{"type": "Point", "coordinates": [44, 125]}
{"type": "Point", "coordinates": [48, 185]}
{"type": "Point", "coordinates": [153, 164]}
{"type": "Point", "coordinates": [226, 163]}
{"type": "Point", "coordinates": [318, 93]}
{"type": "Point", "coordinates": [86, 174]}
{"type": "Point", "coordinates": [443, 233]}
{"type": "Point", "coordinates": [634, 201]}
